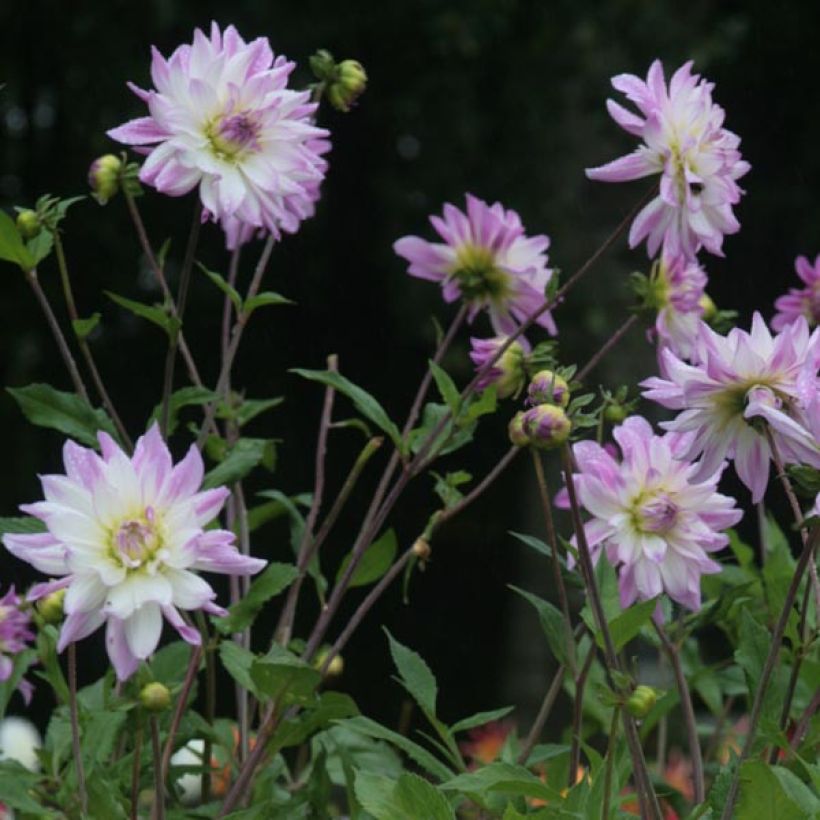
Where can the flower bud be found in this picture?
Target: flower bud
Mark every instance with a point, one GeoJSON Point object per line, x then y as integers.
{"type": "Point", "coordinates": [615, 413]}
{"type": "Point", "coordinates": [507, 373]}
{"type": "Point", "coordinates": [547, 387]}
{"type": "Point", "coordinates": [422, 549]}
{"type": "Point", "coordinates": [104, 177]}
{"type": "Point", "coordinates": [518, 435]}
{"type": "Point", "coordinates": [51, 607]}
{"type": "Point", "coordinates": [28, 223]}
{"type": "Point", "coordinates": [641, 701]}
{"type": "Point", "coordinates": [155, 697]}
{"type": "Point", "coordinates": [334, 668]}
{"type": "Point", "coordinates": [348, 84]}
{"type": "Point", "coordinates": [708, 307]}
{"type": "Point", "coordinates": [547, 426]}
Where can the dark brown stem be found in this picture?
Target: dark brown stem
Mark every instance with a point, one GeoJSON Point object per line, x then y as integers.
{"type": "Point", "coordinates": [606, 347]}
{"type": "Point", "coordinates": [182, 701]}
{"type": "Point", "coordinates": [135, 771]}
{"type": "Point", "coordinates": [75, 727]}
{"type": "Point", "coordinates": [673, 653]}
{"type": "Point", "coordinates": [159, 782]}
{"type": "Point", "coordinates": [578, 714]}
{"type": "Point", "coordinates": [543, 713]}
{"type": "Point", "coordinates": [227, 307]}
{"type": "Point", "coordinates": [768, 666]}
{"type": "Point", "coordinates": [57, 333]}
{"type": "Point", "coordinates": [610, 756]}
{"type": "Point", "coordinates": [803, 724]}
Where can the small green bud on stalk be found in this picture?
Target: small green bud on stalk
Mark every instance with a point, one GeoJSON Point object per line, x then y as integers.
{"type": "Point", "coordinates": [547, 387]}
{"type": "Point", "coordinates": [615, 413]}
{"type": "Point", "coordinates": [641, 702]}
{"type": "Point", "coordinates": [104, 177]}
{"type": "Point", "coordinates": [51, 607]}
{"type": "Point", "coordinates": [547, 426]}
{"type": "Point", "coordinates": [28, 223]}
{"type": "Point", "coordinates": [348, 84]}
{"type": "Point", "coordinates": [155, 697]}
{"type": "Point", "coordinates": [334, 668]}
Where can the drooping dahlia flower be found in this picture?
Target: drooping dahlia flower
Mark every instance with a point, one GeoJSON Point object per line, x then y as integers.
{"type": "Point", "coordinates": [744, 381]}
{"type": "Point", "coordinates": [222, 118]}
{"type": "Point", "coordinates": [698, 160]}
{"type": "Point", "coordinates": [14, 637]}
{"type": "Point", "coordinates": [125, 536]}
{"type": "Point", "coordinates": [654, 518]}
{"type": "Point", "coordinates": [680, 285]}
{"type": "Point", "coordinates": [486, 260]}
{"type": "Point", "coordinates": [800, 301]}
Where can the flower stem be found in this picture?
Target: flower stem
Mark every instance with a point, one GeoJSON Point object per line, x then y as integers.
{"type": "Point", "coordinates": [606, 347]}
{"type": "Point", "coordinates": [159, 783]}
{"type": "Point", "coordinates": [54, 326]}
{"type": "Point", "coordinates": [85, 349]}
{"type": "Point", "coordinates": [673, 653]}
{"type": "Point", "coordinates": [135, 771]}
{"type": "Point", "coordinates": [182, 702]}
{"type": "Point", "coordinates": [769, 664]}
{"type": "Point", "coordinates": [578, 714]}
{"type": "Point", "coordinates": [543, 713]}
{"type": "Point", "coordinates": [233, 273]}
{"type": "Point", "coordinates": [75, 727]}
{"type": "Point", "coordinates": [610, 756]}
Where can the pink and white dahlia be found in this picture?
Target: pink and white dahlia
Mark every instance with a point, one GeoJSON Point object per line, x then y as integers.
{"type": "Point", "coordinates": [801, 301]}
{"type": "Point", "coordinates": [656, 521]}
{"type": "Point", "coordinates": [221, 117]}
{"type": "Point", "coordinates": [680, 291]}
{"type": "Point", "coordinates": [698, 160]}
{"type": "Point", "coordinates": [744, 384]}
{"type": "Point", "coordinates": [126, 537]}
{"type": "Point", "coordinates": [15, 635]}
{"type": "Point", "coordinates": [486, 260]}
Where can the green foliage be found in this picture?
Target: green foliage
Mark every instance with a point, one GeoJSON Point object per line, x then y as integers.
{"type": "Point", "coordinates": [185, 397]}
{"type": "Point", "coordinates": [501, 777]}
{"type": "Point", "coordinates": [276, 578]}
{"type": "Point", "coordinates": [560, 639]}
{"type": "Point", "coordinates": [246, 454]}
{"type": "Point", "coordinates": [83, 328]}
{"type": "Point", "coordinates": [415, 675]}
{"type": "Point", "coordinates": [377, 559]}
{"type": "Point", "coordinates": [773, 791]}
{"type": "Point", "coordinates": [446, 487]}
{"type": "Point", "coordinates": [159, 315]}
{"type": "Point", "coordinates": [409, 798]}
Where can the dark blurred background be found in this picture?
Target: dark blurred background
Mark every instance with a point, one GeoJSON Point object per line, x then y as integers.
{"type": "Point", "coordinates": [502, 98]}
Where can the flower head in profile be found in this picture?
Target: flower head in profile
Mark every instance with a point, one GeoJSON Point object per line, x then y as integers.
{"type": "Point", "coordinates": [698, 161]}
{"type": "Point", "coordinates": [679, 292]}
{"type": "Point", "coordinates": [800, 301]}
{"type": "Point", "coordinates": [15, 635]}
{"type": "Point", "coordinates": [485, 259]}
{"type": "Point", "coordinates": [507, 373]}
{"type": "Point", "coordinates": [745, 387]}
{"type": "Point", "coordinates": [654, 519]}
{"type": "Point", "coordinates": [126, 537]}
{"type": "Point", "coordinates": [221, 117]}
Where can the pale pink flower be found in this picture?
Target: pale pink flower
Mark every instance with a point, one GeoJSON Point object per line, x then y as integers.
{"type": "Point", "coordinates": [654, 519]}
{"type": "Point", "coordinates": [680, 291]}
{"type": "Point", "coordinates": [221, 117]}
{"type": "Point", "coordinates": [800, 301]}
{"type": "Point", "coordinates": [744, 382]}
{"type": "Point", "coordinates": [15, 635]}
{"type": "Point", "coordinates": [125, 538]}
{"type": "Point", "coordinates": [698, 160]}
{"type": "Point", "coordinates": [486, 260]}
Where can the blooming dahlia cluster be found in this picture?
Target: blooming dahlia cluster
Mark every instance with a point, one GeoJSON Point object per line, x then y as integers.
{"type": "Point", "coordinates": [746, 387]}
{"type": "Point", "coordinates": [801, 301]}
{"type": "Point", "coordinates": [221, 117]}
{"type": "Point", "coordinates": [14, 636]}
{"type": "Point", "coordinates": [125, 538]}
{"type": "Point", "coordinates": [654, 516]}
{"type": "Point", "coordinates": [487, 260]}
{"type": "Point", "coordinates": [697, 158]}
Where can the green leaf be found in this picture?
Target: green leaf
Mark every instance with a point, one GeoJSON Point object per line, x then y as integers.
{"type": "Point", "coordinates": [448, 440]}
{"type": "Point", "coordinates": [251, 408]}
{"type": "Point", "coordinates": [481, 404]}
{"type": "Point", "coordinates": [229, 290]}
{"type": "Point", "coordinates": [768, 792]}
{"type": "Point", "coordinates": [156, 314]}
{"type": "Point", "coordinates": [16, 784]}
{"type": "Point", "coordinates": [169, 664]}
{"type": "Point", "coordinates": [246, 454]}
{"type": "Point", "coordinates": [238, 662]}
{"type": "Point", "coordinates": [276, 578]}
{"type": "Point", "coordinates": [362, 400]}
{"type": "Point", "coordinates": [501, 777]}
{"type": "Point", "coordinates": [40, 247]}
{"type": "Point", "coordinates": [629, 623]}
{"type": "Point", "coordinates": [415, 675]}
{"type": "Point", "coordinates": [22, 661]}
{"type": "Point", "coordinates": [12, 248]}
{"type": "Point", "coordinates": [552, 622]}
{"type": "Point", "coordinates": [83, 328]}
{"type": "Point", "coordinates": [25, 525]}
{"type": "Point", "coordinates": [446, 487]}
{"type": "Point", "coordinates": [375, 562]}
{"type": "Point", "coordinates": [330, 707]}
{"type": "Point", "coordinates": [186, 397]}
{"type": "Point", "coordinates": [67, 412]}
{"type": "Point", "coordinates": [446, 387]}
{"type": "Point", "coordinates": [369, 728]}
{"type": "Point", "coordinates": [266, 298]}
{"type": "Point", "coordinates": [280, 673]}
{"type": "Point", "coordinates": [480, 718]}
{"type": "Point", "coordinates": [409, 798]}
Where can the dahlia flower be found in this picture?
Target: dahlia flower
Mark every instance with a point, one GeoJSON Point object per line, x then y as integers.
{"type": "Point", "coordinates": [14, 635]}
{"type": "Point", "coordinates": [680, 287]}
{"type": "Point", "coordinates": [698, 160]}
{"type": "Point", "coordinates": [221, 117]}
{"type": "Point", "coordinates": [654, 518]}
{"type": "Point", "coordinates": [742, 382]}
{"type": "Point", "coordinates": [507, 373]}
{"type": "Point", "coordinates": [800, 301]}
{"type": "Point", "coordinates": [125, 536]}
{"type": "Point", "coordinates": [485, 259]}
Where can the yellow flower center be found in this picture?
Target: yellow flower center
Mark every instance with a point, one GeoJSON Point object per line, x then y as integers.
{"type": "Point", "coordinates": [478, 276]}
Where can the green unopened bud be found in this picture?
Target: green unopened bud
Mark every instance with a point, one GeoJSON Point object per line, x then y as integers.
{"type": "Point", "coordinates": [155, 697]}
{"type": "Point", "coordinates": [615, 413]}
{"type": "Point", "coordinates": [104, 177]}
{"type": "Point", "coordinates": [547, 426]}
{"type": "Point", "coordinates": [708, 306]}
{"type": "Point", "coordinates": [518, 435]}
{"type": "Point", "coordinates": [348, 84]}
{"type": "Point", "coordinates": [334, 668]}
{"type": "Point", "coordinates": [641, 701]}
{"type": "Point", "coordinates": [51, 607]}
{"type": "Point", "coordinates": [322, 65]}
{"type": "Point", "coordinates": [547, 387]}
{"type": "Point", "coordinates": [28, 223]}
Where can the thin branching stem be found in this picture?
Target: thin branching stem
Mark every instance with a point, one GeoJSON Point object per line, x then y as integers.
{"type": "Point", "coordinates": [75, 727]}
{"type": "Point", "coordinates": [606, 347]}
{"type": "Point", "coordinates": [544, 710]}
{"type": "Point", "coordinates": [610, 759]}
{"type": "Point", "coordinates": [159, 782]}
{"type": "Point", "coordinates": [182, 701]}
